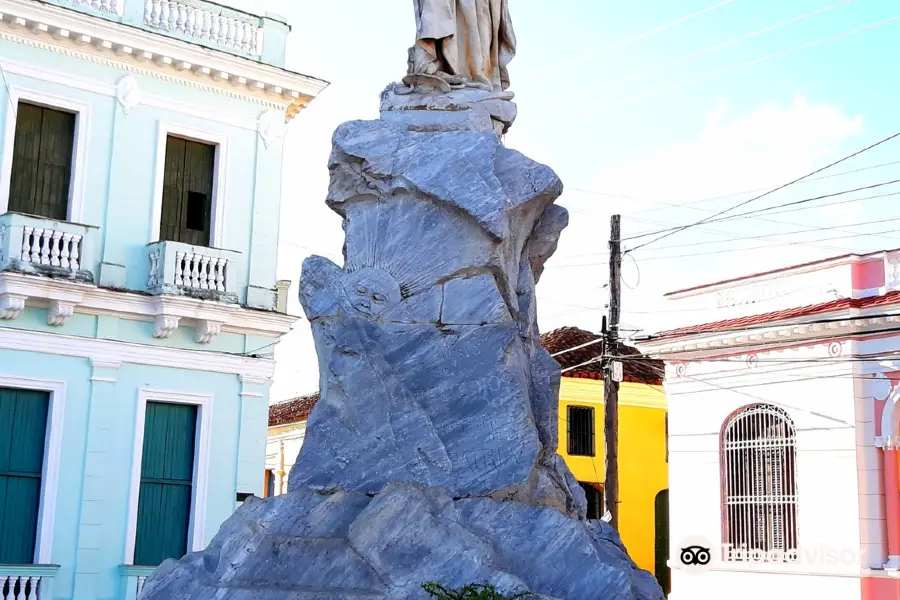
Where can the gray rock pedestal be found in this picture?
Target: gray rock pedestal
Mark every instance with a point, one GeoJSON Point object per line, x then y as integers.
{"type": "Point", "coordinates": [431, 454]}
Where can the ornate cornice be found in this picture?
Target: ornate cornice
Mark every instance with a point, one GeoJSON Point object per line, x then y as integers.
{"type": "Point", "coordinates": [108, 43]}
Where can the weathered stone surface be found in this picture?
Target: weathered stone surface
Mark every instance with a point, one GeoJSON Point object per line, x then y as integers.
{"type": "Point", "coordinates": [473, 301]}
{"type": "Point", "coordinates": [455, 110]}
{"type": "Point", "coordinates": [430, 455]}
{"type": "Point", "coordinates": [308, 545]}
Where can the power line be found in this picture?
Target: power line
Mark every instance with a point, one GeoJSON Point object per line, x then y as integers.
{"type": "Point", "coordinates": [777, 189]}
{"type": "Point", "coordinates": [768, 235]}
{"type": "Point", "coordinates": [642, 36]}
{"type": "Point", "coordinates": [749, 249]}
{"type": "Point", "coordinates": [8, 91]}
{"type": "Point", "coordinates": [691, 203]}
{"type": "Point", "coordinates": [719, 46]}
{"type": "Point", "coordinates": [718, 218]}
{"type": "Point", "coordinates": [733, 68]}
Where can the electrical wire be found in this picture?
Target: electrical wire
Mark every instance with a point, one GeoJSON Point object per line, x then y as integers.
{"type": "Point", "coordinates": [642, 36]}
{"type": "Point", "coordinates": [763, 236]}
{"type": "Point", "coordinates": [717, 218]}
{"type": "Point", "coordinates": [691, 204]}
{"type": "Point", "coordinates": [716, 47]}
{"type": "Point", "coordinates": [713, 217]}
{"type": "Point", "coordinates": [744, 65]}
{"type": "Point", "coordinates": [751, 248]}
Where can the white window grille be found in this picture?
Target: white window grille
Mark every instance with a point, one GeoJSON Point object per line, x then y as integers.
{"type": "Point", "coordinates": [759, 449]}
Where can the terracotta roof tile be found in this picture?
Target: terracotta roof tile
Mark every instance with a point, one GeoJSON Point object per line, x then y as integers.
{"type": "Point", "coordinates": [292, 411]}
{"type": "Point", "coordinates": [644, 371]}
{"type": "Point", "coordinates": [783, 315]}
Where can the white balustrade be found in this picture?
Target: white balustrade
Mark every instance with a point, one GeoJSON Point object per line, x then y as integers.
{"type": "Point", "coordinates": [20, 587]}
{"type": "Point", "coordinates": [140, 585]}
{"type": "Point", "coordinates": [110, 6]}
{"type": "Point", "coordinates": [51, 248]}
{"type": "Point", "coordinates": [199, 272]}
{"type": "Point", "coordinates": [195, 20]}
{"type": "Point", "coordinates": [155, 272]}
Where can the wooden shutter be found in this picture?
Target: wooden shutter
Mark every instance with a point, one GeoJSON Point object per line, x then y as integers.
{"type": "Point", "coordinates": [23, 426]}
{"type": "Point", "coordinates": [42, 161]}
{"type": "Point", "coordinates": [187, 191]}
{"type": "Point", "coordinates": [167, 473]}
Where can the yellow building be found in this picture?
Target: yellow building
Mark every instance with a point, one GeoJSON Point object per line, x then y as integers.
{"type": "Point", "coordinates": [643, 445]}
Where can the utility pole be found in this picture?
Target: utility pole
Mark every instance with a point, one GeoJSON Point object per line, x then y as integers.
{"type": "Point", "coordinates": [610, 376]}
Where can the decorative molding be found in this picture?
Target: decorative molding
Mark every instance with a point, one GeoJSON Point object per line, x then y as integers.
{"type": "Point", "coordinates": [156, 356]}
{"type": "Point", "coordinates": [247, 381]}
{"type": "Point", "coordinates": [128, 93]}
{"type": "Point", "coordinates": [98, 363]}
{"type": "Point", "coordinates": [43, 553]}
{"type": "Point", "coordinates": [197, 522]}
{"type": "Point", "coordinates": [11, 306]}
{"type": "Point", "coordinates": [207, 330]}
{"type": "Point", "coordinates": [778, 334]}
{"type": "Point", "coordinates": [123, 47]}
{"type": "Point", "coordinates": [88, 299]}
{"type": "Point", "coordinates": [272, 127]}
{"type": "Point", "coordinates": [59, 312]}
{"type": "Point", "coordinates": [11, 66]}
{"type": "Point", "coordinates": [164, 325]}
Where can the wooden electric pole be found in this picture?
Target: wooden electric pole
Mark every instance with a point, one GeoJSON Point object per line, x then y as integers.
{"type": "Point", "coordinates": [610, 377]}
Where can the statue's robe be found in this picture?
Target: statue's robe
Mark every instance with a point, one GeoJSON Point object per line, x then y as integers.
{"type": "Point", "coordinates": [472, 39]}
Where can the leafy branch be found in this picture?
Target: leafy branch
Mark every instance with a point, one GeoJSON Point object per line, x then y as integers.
{"type": "Point", "coordinates": [470, 592]}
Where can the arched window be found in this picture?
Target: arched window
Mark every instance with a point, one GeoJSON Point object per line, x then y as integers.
{"type": "Point", "coordinates": [759, 449]}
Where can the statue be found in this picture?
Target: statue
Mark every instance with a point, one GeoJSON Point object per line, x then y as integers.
{"type": "Point", "coordinates": [460, 44]}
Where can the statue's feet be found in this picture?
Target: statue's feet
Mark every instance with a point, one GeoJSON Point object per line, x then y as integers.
{"type": "Point", "coordinates": [420, 80]}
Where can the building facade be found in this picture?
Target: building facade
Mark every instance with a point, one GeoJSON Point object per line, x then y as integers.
{"type": "Point", "coordinates": [783, 432]}
{"type": "Point", "coordinates": [287, 429]}
{"type": "Point", "coordinates": [642, 446]}
{"type": "Point", "coordinates": [140, 183]}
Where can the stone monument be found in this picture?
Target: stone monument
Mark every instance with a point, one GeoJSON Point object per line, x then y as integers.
{"type": "Point", "coordinates": [431, 455]}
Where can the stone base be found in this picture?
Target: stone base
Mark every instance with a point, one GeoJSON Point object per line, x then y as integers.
{"type": "Point", "coordinates": [465, 109]}
{"type": "Point", "coordinates": [308, 545]}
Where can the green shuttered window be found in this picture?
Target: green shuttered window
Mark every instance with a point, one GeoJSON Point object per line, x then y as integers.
{"type": "Point", "coordinates": [23, 426]}
{"type": "Point", "coordinates": [187, 191]}
{"type": "Point", "coordinates": [42, 161]}
{"type": "Point", "coordinates": [167, 473]}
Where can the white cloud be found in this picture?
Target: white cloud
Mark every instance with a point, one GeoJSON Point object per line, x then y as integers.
{"type": "Point", "coordinates": [765, 147]}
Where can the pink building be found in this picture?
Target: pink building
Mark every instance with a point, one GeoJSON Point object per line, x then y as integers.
{"type": "Point", "coordinates": [784, 427]}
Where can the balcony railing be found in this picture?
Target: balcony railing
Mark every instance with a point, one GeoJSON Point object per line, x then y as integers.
{"type": "Point", "coordinates": [27, 582]}
{"type": "Point", "coordinates": [177, 268]}
{"type": "Point", "coordinates": [35, 244]}
{"type": "Point", "coordinates": [134, 578]}
{"type": "Point", "coordinates": [206, 22]}
{"type": "Point", "coordinates": [197, 21]}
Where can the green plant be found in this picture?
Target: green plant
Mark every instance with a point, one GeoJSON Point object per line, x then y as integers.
{"type": "Point", "coordinates": [470, 592]}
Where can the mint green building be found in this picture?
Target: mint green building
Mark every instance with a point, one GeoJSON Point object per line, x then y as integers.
{"type": "Point", "coordinates": [140, 183]}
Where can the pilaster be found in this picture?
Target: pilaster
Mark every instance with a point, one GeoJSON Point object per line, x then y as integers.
{"type": "Point", "coordinates": [264, 226]}
{"type": "Point", "coordinates": [94, 548]}
{"type": "Point", "coordinates": [254, 420]}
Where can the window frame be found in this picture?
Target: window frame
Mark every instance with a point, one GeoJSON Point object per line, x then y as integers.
{"type": "Point", "coordinates": [43, 547]}
{"type": "Point", "coordinates": [200, 479]}
{"type": "Point", "coordinates": [220, 176]}
{"type": "Point", "coordinates": [793, 531]}
{"type": "Point", "coordinates": [569, 444]}
{"type": "Point", "coordinates": [82, 112]}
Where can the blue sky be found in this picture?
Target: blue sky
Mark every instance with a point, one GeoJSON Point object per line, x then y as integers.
{"type": "Point", "coordinates": [608, 99]}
